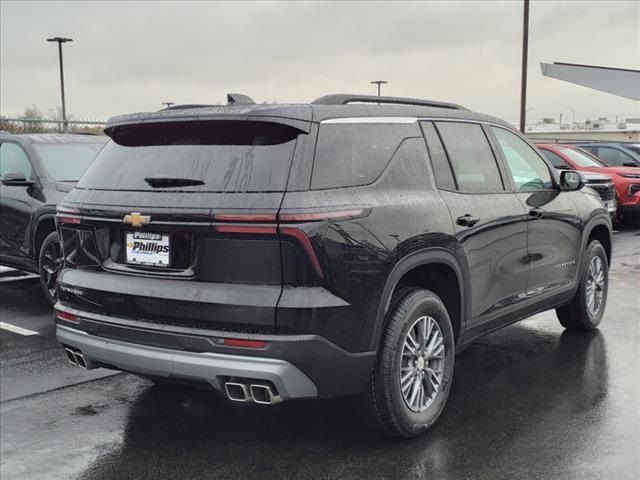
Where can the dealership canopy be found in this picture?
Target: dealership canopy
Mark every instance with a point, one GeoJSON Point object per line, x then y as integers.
{"type": "Point", "coordinates": [617, 81]}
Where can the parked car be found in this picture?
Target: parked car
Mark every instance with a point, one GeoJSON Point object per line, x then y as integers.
{"type": "Point", "coordinates": [36, 172]}
{"type": "Point", "coordinates": [626, 179]}
{"type": "Point", "coordinates": [601, 183]}
{"type": "Point", "coordinates": [350, 246]}
{"type": "Point", "coordinates": [614, 154]}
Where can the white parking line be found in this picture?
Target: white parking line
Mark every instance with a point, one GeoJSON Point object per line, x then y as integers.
{"type": "Point", "coordinates": [19, 330]}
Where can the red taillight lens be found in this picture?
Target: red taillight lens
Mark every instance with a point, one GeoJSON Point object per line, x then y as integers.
{"type": "Point", "coordinates": [246, 229]}
{"type": "Point", "coordinates": [63, 219]}
{"type": "Point", "coordinates": [304, 241]}
{"type": "Point", "coordinates": [245, 217]}
{"type": "Point", "coordinates": [67, 317]}
{"type": "Point", "coordinates": [320, 216]}
{"type": "Point", "coordinates": [238, 342]}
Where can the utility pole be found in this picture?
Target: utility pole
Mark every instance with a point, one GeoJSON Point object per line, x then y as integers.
{"type": "Point", "coordinates": [379, 82]}
{"type": "Point", "coordinates": [60, 41]}
{"type": "Point", "coordinates": [525, 52]}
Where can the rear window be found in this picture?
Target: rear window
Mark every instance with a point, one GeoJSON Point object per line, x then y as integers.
{"type": "Point", "coordinates": [354, 154]}
{"type": "Point", "coordinates": [224, 156]}
{"type": "Point", "coordinates": [66, 162]}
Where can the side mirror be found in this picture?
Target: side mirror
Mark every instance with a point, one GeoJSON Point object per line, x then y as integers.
{"type": "Point", "coordinates": [570, 181]}
{"type": "Point", "coordinates": [15, 179]}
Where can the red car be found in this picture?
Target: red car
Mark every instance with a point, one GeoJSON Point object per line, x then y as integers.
{"type": "Point", "coordinates": [626, 179]}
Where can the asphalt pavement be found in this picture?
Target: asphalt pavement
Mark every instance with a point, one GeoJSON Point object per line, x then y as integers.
{"type": "Point", "coordinates": [529, 401]}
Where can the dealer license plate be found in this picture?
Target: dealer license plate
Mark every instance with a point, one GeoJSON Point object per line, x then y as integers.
{"type": "Point", "coordinates": [148, 248]}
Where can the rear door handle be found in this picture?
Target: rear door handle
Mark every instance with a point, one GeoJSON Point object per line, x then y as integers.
{"type": "Point", "coordinates": [467, 220]}
{"type": "Point", "coordinates": [536, 212]}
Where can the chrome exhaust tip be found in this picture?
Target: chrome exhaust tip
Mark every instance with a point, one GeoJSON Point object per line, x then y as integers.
{"type": "Point", "coordinates": [80, 361]}
{"type": "Point", "coordinates": [264, 394]}
{"type": "Point", "coordinates": [237, 392]}
{"type": "Point", "coordinates": [71, 356]}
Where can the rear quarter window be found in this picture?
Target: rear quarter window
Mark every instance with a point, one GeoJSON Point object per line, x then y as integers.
{"type": "Point", "coordinates": [355, 154]}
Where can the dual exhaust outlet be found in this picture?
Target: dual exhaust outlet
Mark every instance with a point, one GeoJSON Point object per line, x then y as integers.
{"type": "Point", "coordinates": [75, 357]}
{"type": "Point", "coordinates": [263, 393]}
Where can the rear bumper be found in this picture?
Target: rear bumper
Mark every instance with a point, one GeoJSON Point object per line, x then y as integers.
{"type": "Point", "coordinates": [300, 366]}
{"type": "Point", "coordinates": [212, 368]}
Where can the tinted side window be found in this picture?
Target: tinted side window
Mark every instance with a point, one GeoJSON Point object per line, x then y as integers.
{"type": "Point", "coordinates": [353, 154]}
{"type": "Point", "coordinates": [473, 163]}
{"type": "Point", "coordinates": [441, 167]}
{"type": "Point", "coordinates": [555, 159]}
{"type": "Point", "coordinates": [529, 171]}
{"type": "Point", "coordinates": [613, 157]}
{"type": "Point", "coordinates": [13, 159]}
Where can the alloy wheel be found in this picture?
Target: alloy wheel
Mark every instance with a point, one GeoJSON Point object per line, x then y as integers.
{"type": "Point", "coordinates": [595, 285]}
{"type": "Point", "coordinates": [51, 266]}
{"type": "Point", "coordinates": [422, 364]}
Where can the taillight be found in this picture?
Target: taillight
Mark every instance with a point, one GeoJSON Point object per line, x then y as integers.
{"type": "Point", "coordinates": [67, 317]}
{"type": "Point", "coordinates": [269, 219]}
{"type": "Point", "coordinates": [68, 215]}
{"type": "Point", "coordinates": [65, 219]}
{"type": "Point", "coordinates": [245, 217]}
{"type": "Point", "coordinates": [305, 243]}
{"type": "Point", "coordinates": [321, 216]}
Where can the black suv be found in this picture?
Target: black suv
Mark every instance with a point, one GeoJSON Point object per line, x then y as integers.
{"type": "Point", "coordinates": [350, 246]}
{"type": "Point", "coordinates": [36, 172]}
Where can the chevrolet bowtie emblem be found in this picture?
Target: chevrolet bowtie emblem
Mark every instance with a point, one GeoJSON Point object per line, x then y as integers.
{"type": "Point", "coordinates": [136, 220]}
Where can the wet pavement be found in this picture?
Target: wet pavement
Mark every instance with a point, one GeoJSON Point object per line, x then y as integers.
{"type": "Point", "coordinates": [529, 401]}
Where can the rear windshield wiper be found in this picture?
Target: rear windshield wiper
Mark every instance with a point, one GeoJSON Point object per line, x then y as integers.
{"type": "Point", "coordinates": [167, 182]}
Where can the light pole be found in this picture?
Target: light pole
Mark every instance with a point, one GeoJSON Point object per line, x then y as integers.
{"type": "Point", "coordinates": [525, 51]}
{"type": "Point", "coordinates": [379, 82]}
{"type": "Point", "coordinates": [60, 41]}
{"type": "Point", "coordinates": [573, 112]}
{"type": "Point", "coordinates": [168, 104]}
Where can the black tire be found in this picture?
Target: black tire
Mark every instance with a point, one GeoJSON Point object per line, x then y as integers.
{"type": "Point", "coordinates": [383, 406]}
{"type": "Point", "coordinates": [50, 265]}
{"type": "Point", "coordinates": [580, 315]}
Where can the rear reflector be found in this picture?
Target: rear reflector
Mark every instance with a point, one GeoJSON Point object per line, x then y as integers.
{"type": "Point", "coordinates": [238, 342]}
{"type": "Point", "coordinates": [66, 316]}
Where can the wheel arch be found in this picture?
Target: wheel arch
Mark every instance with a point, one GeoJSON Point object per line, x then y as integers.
{"type": "Point", "coordinates": [43, 227]}
{"type": "Point", "coordinates": [425, 261]}
{"type": "Point", "coordinates": [599, 229]}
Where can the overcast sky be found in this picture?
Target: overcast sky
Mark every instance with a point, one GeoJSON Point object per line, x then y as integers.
{"type": "Point", "coordinates": [131, 56]}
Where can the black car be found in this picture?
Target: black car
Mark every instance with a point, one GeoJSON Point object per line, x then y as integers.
{"type": "Point", "coordinates": [350, 246]}
{"type": "Point", "coordinates": [614, 154]}
{"type": "Point", "coordinates": [36, 172]}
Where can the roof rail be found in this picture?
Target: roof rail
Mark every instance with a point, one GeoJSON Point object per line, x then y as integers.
{"type": "Point", "coordinates": [185, 106]}
{"type": "Point", "coordinates": [345, 98]}
{"type": "Point", "coordinates": [239, 99]}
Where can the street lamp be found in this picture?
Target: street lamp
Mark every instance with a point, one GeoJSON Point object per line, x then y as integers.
{"type": "Point", "coordinates": [168, 104]}
{"type": "Point", "coordinates": [379, 82]}
{"type": "Point", "coordinates": [523, 78]}
{"type": "Point", "coordinates": [60, 41]}
{"type": "Point", "coordinates": [573, 112]}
